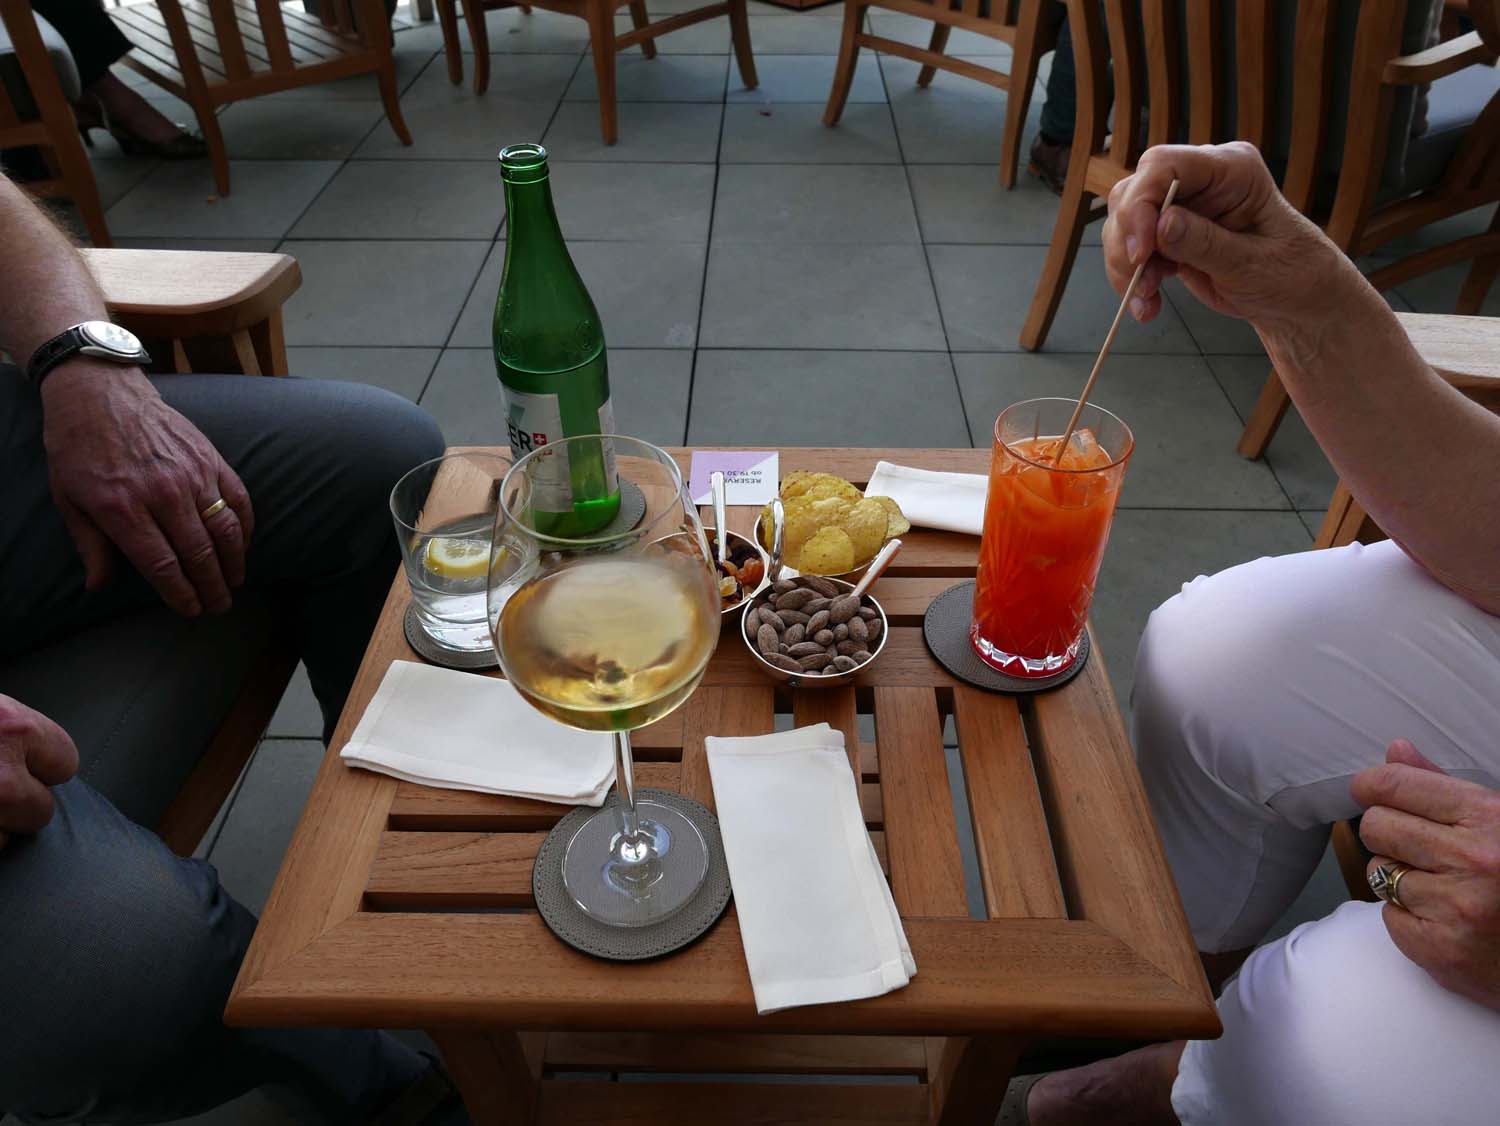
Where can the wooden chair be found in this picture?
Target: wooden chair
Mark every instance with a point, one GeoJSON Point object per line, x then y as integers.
{"type": "Point", "coordinates": [209, 312]}
{"type": "Point", "coordinates": [1333, 164]}
{"type": "Point", "coordinates": [213, 52]}
{"type": "Point", "coordinates": [48, 122]}
{"type": "Point", "coordinates": [604, 42]}
{"type": "Point", "coordinates": [1024, 24]}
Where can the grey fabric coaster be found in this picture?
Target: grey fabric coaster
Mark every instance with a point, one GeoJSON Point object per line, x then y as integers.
{"type": "Point", "coordinates": [630, 944]}
{"type": "Point", "coordinates": [946, 630]}
{"type": "Point", "coordinates": [632, 510]}
{"type": "Point", "coordinates": [427, 647]}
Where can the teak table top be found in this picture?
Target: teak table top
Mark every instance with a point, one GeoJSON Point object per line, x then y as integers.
{"type": "Point", "coordinates": [379, 914]}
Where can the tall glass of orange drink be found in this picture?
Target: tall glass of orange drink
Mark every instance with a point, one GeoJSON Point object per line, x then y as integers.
{"type": "Point", "coordinates": [1046, 521]}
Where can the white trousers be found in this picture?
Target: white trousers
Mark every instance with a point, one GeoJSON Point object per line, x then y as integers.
{"type": "Point", "coordinates": [1260, 692]}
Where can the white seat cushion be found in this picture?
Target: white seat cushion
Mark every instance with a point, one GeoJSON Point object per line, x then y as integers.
{"type": "Point", "coordinates": [62, 58]}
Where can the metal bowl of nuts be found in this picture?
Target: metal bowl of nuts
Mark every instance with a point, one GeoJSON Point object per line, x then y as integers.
{"type": "Point", "coordinates": [814, 632]}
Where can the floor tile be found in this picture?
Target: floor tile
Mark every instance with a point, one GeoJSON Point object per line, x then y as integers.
{"type": "Point", "coordinates": [1294, 455]}
{"type": "Point", "coordinates": [298, 716]}
{"type": "Point", "coordinates": [634, 202]}
{"type": "Point", "coordinates": [805, 297]}
{"type": "Point", "coordinates": [178, 200]}
{"type": "Point", "coordinates": [666, 78]}
{"type": "Point", "coordinates": [461, 126]}
{"type": "Point", "coordinates": [526, 78]}
{"type": "Point", "coordinates": [794, 133]}
{"type": "Point", "coordinates": [649, 131]}
{"type": "Point", "coordinates": [407, 199]}
{"type": "Point", "coordinates": [918, 32]}
{"type": "Point", "coordinates": [985, 292]}
{"type": "Point", "coordinates": [1215, 333]}
{"type": "Point", "coordinates": [115, 178]}
{"type": "Point", "coordinates": [260, 823]}
{"type": "Point", "coordinates": [402, 370]}
{"type": "Point", "coordinates": [806, 203]}
{"type": "Point", "coordinates": [1185, 427]}
{"type": "Point", "coordinates": [795, 398]}
{"type": "Point", "coordinates": [793, 34]}
{"type": "Point", "coordinates": [380, 294]}
{"type": "Point", "coordinates": [955, 120]}
{"type": "Point", "coordinates": [965, 203]}
{"type": "Point", "coordinates": [649, 388]}
{"type": "Point", "coordinates": [267, 129]}
{"type": "Point", "coordinates": [1152, 553]}
{"type": "Point", "coordinates": [646, 293]}
{"type": "Point", "coordinates": [806, 78]}
{"type": "Point", "coordinates": [511, 31]}
{"type": "Point", "coordinates": [711, 37]}
{"type": "Point", "coordinates": [1313, 521]}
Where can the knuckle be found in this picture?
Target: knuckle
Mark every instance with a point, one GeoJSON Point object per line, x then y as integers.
{"type": "Point", "coordinates": [160, 567]}
{"type": "Point", "coordinates": [201, 555]}
{"type": "Point", "coordinates": [1482, 855]}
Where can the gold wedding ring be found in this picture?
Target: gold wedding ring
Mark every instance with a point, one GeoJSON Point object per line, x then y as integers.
{"type": "Point", "coordinates": [214, 509]}
{"type": "Point", "coordinates": [1385, 882]}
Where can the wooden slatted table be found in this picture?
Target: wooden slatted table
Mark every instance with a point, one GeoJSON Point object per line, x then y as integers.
{"type": "Point", "coordinates": [403, 906]}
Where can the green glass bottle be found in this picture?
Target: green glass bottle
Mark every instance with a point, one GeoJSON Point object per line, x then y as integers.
{"type": "Point", "coordinates": [550, 356]}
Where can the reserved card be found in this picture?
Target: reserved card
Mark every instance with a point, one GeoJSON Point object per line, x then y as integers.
{"type": "Point", "coordinates": [750, 476]}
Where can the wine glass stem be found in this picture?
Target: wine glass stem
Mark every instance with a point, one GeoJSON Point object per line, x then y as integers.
{"type": "Point", "coordinates": [634, 846]}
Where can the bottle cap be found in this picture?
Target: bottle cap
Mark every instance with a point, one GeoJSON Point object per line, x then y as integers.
{"type": "Point", "coordinates": [523, 164]}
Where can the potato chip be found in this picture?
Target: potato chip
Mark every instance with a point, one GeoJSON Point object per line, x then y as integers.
{"type": "Point", "coordinates": [802, 523]}
{"type": "Point", "coordinates": [827, 486]}
{"type": "Point", "coordinates": [898, 524]}
{"type": "Point", "coordinates": [865, 524]}
{"type": "Point", "coordinates": [796, 482]}
{"type": "Point", "coordinates": [830, 552]}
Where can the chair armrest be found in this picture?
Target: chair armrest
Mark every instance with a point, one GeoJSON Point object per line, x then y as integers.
{"type": "Point", "coordinates": [1439, 62]}
{"type": "Point", "coordinates": [187, 294]}
{"type": "Point", "coordinates": [1463, 350]}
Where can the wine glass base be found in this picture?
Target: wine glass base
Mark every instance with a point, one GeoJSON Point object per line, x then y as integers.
{"type": "Point", "coordinates": [619, 894]}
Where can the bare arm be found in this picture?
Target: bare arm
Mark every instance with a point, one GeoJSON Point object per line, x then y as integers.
{"type": "Point", "coordinates": [1420, 457]}
{"type": "Point", "coordinates": [126, 470]}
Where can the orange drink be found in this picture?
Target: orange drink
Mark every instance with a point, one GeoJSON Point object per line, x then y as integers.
{"type": "Point", "coordinates": [1046, 521]}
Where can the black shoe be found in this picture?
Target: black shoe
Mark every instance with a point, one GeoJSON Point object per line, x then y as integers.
{"type": "Point", "coordinates": [1049, 163]}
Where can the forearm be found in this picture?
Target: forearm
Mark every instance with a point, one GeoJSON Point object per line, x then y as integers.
{"type": "Point", "coordinates": [1418, 455]}
{"type": "Point", "coordinates": [45, 287]}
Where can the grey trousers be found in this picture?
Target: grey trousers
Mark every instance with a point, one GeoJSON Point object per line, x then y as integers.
{"type": "Point", "coordinates": [116, 956]}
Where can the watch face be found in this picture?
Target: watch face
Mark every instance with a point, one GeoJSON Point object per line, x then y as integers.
{"type": "Point", "coordinates": [111, 336]}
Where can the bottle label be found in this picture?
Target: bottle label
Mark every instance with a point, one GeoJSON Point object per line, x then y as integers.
{"type": "Point", "coordinates": [607, 426]}
{"type": "Point", "coordinates": [535, 421]}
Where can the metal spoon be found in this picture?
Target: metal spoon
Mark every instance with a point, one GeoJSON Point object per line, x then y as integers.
{"type": "Point", "coordinates": [877, 565]}
{"type": "Point", "coordinates": [778, 539]}
{"type": "Point", "coordinates": [716, 484]}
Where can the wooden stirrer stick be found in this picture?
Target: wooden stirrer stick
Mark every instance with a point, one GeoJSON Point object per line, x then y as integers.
{"type": "Point", "coordinates": [1109, 339]}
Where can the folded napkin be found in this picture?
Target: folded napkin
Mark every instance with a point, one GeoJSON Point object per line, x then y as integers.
{"type": "Point", "coordinates": [953, 502]}
{"type": "Point", "coordinates": [460, 731]}
{"type": "Point", "coordinates": [816, 915]}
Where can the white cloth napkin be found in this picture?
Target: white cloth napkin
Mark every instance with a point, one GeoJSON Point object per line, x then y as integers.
{"type": "Point", "coordinates": [816, 914]}
{"type": "Point", "coordinates": [460, 731]}
{"type": "Point", "coordinates": [952, 502]}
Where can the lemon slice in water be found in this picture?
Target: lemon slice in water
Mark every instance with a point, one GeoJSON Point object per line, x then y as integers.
{"type": "Point", "coordinates": [457, 557]}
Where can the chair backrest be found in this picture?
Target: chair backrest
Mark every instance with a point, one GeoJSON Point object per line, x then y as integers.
{"type": "Point", "coordinates": [1278, 73]}
{"type": "Point", "coordinates": [1003, 13]}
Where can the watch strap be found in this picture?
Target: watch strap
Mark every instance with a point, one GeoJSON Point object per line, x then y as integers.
{"type": "Point", "coordinates": [67, 344]}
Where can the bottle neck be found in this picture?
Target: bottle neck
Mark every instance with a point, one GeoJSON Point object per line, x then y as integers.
{"type": "Point", "coordinates": [531, 222]}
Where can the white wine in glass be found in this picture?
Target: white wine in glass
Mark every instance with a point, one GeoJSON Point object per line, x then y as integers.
{"type": "Point", "coordinates": [611, 632]}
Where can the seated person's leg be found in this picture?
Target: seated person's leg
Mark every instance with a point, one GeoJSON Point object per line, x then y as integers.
{"type": "Point", "coordinates": [118, 959]}
{"type": "Point", "coordinates": [1261, 691]}
{"type": "Point", "coordinates": [1333, 1024]}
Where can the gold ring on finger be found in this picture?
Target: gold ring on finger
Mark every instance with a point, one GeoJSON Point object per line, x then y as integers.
{"type": "Point", "coordinates": [214, 509]}
{"type": "Point", "coordinates": [1385, 881]}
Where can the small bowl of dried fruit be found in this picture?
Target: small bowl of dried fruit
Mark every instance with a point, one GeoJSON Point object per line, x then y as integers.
{"type": "Point", "coordinates": [743, 573]}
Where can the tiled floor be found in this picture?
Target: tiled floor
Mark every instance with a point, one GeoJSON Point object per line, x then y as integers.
{"type": "Point", "coordinates": [735, 248]}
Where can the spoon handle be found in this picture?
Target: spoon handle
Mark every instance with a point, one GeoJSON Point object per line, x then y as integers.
{"type": "Point", "coordinates": [716, 484]}
{"type": "Point", "coordinates": [877, 565]}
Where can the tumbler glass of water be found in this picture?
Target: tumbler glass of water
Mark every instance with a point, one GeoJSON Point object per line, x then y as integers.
{"type": "Point", "coordinates": [444, 511]}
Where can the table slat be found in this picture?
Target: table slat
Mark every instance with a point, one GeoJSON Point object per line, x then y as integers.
{"type": "Point", "coordinates": [428, 808]}
{"type": "Point", "coordinates": [927, 875]}
{"type": "Point", "coordinates": [437, 871]}
{"type": "Point", "coordinates": [835, 707]}
{"type": "Point", "coordinates": [725, 713]}
{"type": "Point", "coordinates": [1010, 829]}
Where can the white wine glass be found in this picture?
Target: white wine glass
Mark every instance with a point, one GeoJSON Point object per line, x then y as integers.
{"type": "Point", "coordinates": [609, 630]}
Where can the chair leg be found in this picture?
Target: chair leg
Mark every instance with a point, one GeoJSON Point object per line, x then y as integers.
{"type": "Point", "coordinates": [479, 39]}
{"type": "Point", "coordinates": [1025, 57]}
{"type": "Point", "coordinates": [1265, 418]}
{"type": "Point", "coordinates": [739, 34]}
{"type": "Point", "coordinates": [1481, 277]}
{"type": "Point", "coordinates": [75, 171]}
{"type": "Point", "coordinates": [843, 76]}
{"type": "Point", "coordinates": [638, 19]}
{"type": "Point", "coordinates": [938, 45]}
{"type": "Point", "coordinates": [390, 97]}
{"type": "Point", "coordinates": [218, 155]}
{"type": "Point", "coordinates": [1067, 234]}
{"type": "Point", "coordinates": [448, 19]}
{"type": "Point", "coordinates": [602, 41]}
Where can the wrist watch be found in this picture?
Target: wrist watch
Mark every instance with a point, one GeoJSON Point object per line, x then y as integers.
{"type": "Point", "coordinates": [100, 339]}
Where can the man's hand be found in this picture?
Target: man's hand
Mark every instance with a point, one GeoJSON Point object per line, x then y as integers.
{"type": "Point", "coordinates": [1230, 235]}
{"type": "Point", "coordinates": [34, 753]}
{"type": "Point", "coordinates": [128, 469]}
{"type": "Point", "coordinates": [1447, 831]}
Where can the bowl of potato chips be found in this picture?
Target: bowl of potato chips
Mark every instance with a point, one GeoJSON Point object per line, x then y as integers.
{"type": "Point", "coordinates": [832, 528]}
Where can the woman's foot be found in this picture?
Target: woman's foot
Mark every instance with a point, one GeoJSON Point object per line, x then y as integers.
{"type": "Point", "coordinates": [134, 122]}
